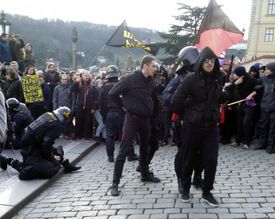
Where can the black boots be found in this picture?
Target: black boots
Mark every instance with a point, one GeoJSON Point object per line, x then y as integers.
{"type": "Point", "coordinates": [114, 190]}
{"type": "Point", "coordinates": [68, 168]}
{"type": "Point", "coordinates": [3, 162]}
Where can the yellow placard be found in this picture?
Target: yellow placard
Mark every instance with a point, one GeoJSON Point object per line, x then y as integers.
{"type": "Point", "coordinates": [32, 89]}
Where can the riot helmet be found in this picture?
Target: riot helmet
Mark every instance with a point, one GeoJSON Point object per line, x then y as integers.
{"type": "Point", "coordinates": [161, 69]}
{"type": "Point", "coordinates": [13, 104]}
{"type": "Point", "coordinates": [187, 57]}
{"type": "Point", "coordinates": [62, 113]}
{"type": "Point", "coordinates": [112, 71]}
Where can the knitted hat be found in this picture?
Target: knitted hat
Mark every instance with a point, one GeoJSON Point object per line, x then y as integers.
{"type": "Point", "coordinates": [271, 66]}
{"type": "Point", "coordinates": [240, 71]}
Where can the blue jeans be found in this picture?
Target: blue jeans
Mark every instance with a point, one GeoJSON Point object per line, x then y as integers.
{"type": "Point", "coordinates": [101, 127]}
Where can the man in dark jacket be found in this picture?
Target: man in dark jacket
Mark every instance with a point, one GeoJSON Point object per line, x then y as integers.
{"type": "Point", "coordinates": [267, 120]}
{"type": "Point", "coordinates": [136, 90]}
{"type": "Point", "coordinates": [112, 114]}
{"type": "Point", "coordinates": [243, 86]}
{"type": "Point", "coordinates": [198, 96]}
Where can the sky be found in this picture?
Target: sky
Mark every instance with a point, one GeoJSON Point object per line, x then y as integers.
{"type": "Point", "coordinates": [152, 14]}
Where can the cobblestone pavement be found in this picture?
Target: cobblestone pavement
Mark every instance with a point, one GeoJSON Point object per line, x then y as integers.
{"type": "Point", "coordinates": [245, 188]}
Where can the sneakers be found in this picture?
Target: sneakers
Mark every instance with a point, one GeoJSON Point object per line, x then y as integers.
{"type": "Point", "coordinates": [114, 190]}
{"type": "Point", "coordinates": [208, 198]}
{"type": "Point", "coordinates": [111, 159]}
{"type": "Point", "coordinates": [132, 157]}
{"type": "Point", "coordinates": [150, 178]}
{"type": "Point", "coordinates": [185, 195]}
{"type": "Point", "coordinates": [245, 146]}
{"type": "Point", "coordinates": [3, 162]}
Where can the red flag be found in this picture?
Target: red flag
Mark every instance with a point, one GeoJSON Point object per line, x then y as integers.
{"type": "Point", "coordinates": [217, 31]}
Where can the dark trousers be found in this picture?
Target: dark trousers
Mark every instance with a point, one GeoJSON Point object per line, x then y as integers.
{"type": "Point", "coordinates": [133, 125]}
{"type": "Point", "coordinates": [154, 139]}
{"type": "Point", "coordinates": [83, 123]}
{"type": "Point", "coordinates": [245, 118]}
{"type": "Point", "coordinates": [204, 140]}
{"type": "Point", "coordinates": [178, 162]}
{"type": "Point", "coordinates": [267, 130]}
{"type": "Point", "coordinates": [114, 123]}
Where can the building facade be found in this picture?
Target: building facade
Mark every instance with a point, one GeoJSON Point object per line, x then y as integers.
{"type": "Point", "coordinates": [261, 40]}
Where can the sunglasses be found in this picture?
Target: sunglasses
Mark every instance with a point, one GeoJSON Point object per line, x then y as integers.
{"type": "Point", "coordinates": [206, 61]}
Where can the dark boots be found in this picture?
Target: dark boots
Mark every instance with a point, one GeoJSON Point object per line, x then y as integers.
{"type": "Point", "coordinates": [3, 162]}
{"type": "Point", "coordinates": [68, 168]}
{"type": "Point", "coordinates": [114, 190]}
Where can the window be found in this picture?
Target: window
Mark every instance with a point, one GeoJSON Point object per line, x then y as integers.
{"type": "Point", "coordinates": [268, 37]}
{"type": "Point", "coordinates": [271, 7]}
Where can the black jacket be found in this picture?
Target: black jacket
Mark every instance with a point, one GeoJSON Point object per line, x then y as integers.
{"type": "Point", "coordinates": [106, 103]}
{"type": "Point", "coordinates": [268, 93]}
{"type": "Point", "coordinates": [136, 91]}
{"type": "Point", "coordinates": [200, 93]}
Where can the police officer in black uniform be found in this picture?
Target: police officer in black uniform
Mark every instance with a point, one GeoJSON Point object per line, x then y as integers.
{"type": "Point", "coordinates": [40, 159]}
{"type": "Point", "coordinates": [20, 117]}
{"type": "Point", "coordinates": [136, 90]}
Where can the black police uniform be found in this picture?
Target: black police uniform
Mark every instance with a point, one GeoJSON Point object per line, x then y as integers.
{"type": "Point", "coordinates": [38, 150]}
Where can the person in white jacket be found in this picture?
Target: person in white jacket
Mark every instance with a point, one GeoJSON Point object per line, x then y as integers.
{"type": "Point", "coordinates": [3, 121]}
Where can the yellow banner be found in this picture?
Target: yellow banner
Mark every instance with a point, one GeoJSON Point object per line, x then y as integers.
{"type": "Point", "coordinates": [135, 43]}
{"type": "Point", "coordinates": [32, 89]}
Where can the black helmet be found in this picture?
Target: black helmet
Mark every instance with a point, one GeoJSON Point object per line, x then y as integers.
{"type": "Point", "coordinates": [112, 72]}
{"type": "Point", "coordinates": [62, 113]}
{"type": "Point", "coordinates": [13, 104]}
{"type": "Point", "coordinates": [161, 69]}
{"type": "Point", "coordinates": [187, 57]}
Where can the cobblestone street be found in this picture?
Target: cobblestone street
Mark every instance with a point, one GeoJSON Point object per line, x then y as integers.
{"type": "Point", "coordinates": [245, 188]}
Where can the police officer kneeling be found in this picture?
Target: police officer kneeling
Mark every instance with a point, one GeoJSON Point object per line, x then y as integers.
{"type": "Point", "coordinates": [40, 159]}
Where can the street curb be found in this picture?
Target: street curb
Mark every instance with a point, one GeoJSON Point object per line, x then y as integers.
{"type": "Point", "coordinates": [35, 187]}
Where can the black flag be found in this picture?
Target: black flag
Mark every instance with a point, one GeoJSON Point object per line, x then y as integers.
{"type": "Point", "coordinates": [217, 31]}
{"type": "Point", "coordinates": [122, 37]}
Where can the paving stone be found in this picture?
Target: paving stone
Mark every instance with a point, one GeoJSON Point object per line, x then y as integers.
{"type": "Point", "coordinates": [244, 188]}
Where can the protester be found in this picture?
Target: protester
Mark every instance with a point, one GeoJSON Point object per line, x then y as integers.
{"type": "Point", "coordinates": [199, 96]}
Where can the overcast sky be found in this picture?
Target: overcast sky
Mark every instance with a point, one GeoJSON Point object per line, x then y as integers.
{"type": "Point", "coordinates": [153, 14]}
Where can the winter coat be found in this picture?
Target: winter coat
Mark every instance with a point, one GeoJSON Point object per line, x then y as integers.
{"type": "Point", "coordinates": [200, 93]}
{"type": "Point", "coordinates": [136, 91]}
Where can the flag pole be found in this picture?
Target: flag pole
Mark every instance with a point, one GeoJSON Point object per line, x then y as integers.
{"type": "Point", "coordinates": [106, 43]}
{"type": "Point", "coordinates": [97, 55]}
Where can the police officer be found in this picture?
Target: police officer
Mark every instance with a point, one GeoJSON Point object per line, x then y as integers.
{"type": "Point", "coordinates": [40, 158]}
{"type": "Point", "coordinates": [198, 96]}
{"type": "Point", "coordinates": [20, 117]}
{"type": "Point", "coordinates": [185, 62]}
{"type": "Point", "coordinates": [136, 90]}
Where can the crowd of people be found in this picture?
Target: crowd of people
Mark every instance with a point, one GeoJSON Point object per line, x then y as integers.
{"type": "Point", "coordinates": [196, 105]}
